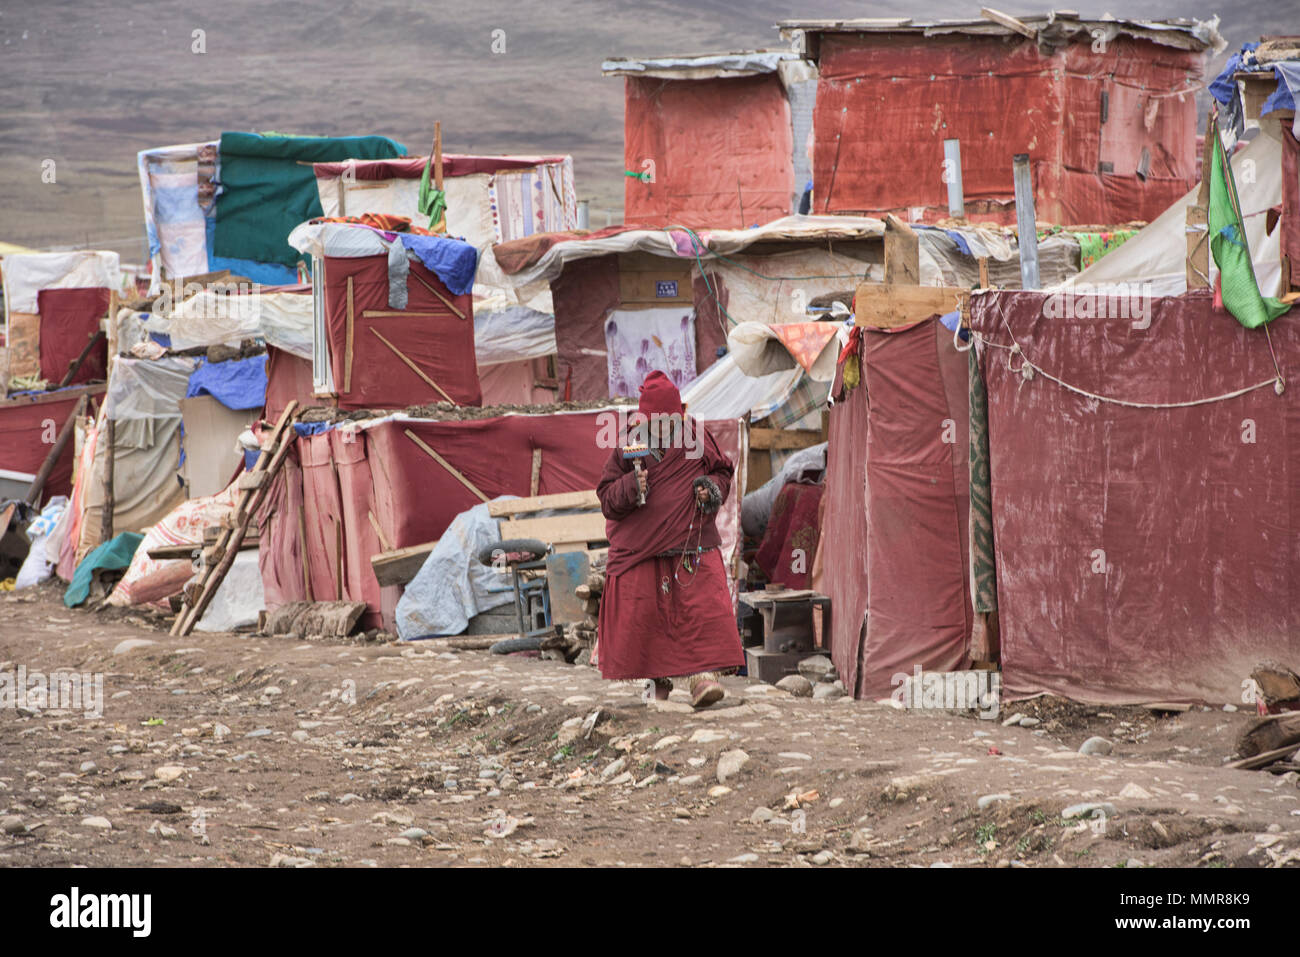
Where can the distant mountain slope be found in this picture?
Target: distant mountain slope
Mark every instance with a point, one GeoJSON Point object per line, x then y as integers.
{"type": "Point", "coordinates": [88, 83]}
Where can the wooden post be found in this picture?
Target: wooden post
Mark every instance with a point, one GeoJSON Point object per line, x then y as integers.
{"type": "Point", "coordinates": [75, 366]}
{"type": "Point", "coordinates": [347, 346]}
{"type": "Point", "coordinates": [537, 473]}
{"type": "Point", "coordinates": [106, 523]}
{"type": "Point", "coordinates": [1197, 266]}
{"type": "Point", "coordinates": [1026, 221]}
{"type": "Point", "coordinates": [902, 253]}
{"type": "Point", "coordinates": [437, 154]}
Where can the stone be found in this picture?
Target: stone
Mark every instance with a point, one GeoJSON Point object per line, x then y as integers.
{"type": "Point", "coordinates": [168, 772]}
{"type": "Point", "coordinates": [719, 790]}
{"type": "Point", "coordinates": [1096, 745]}
{"type": "Point", "coordinates": [826, 691]}
{"type": "Point", "coordinates": [1014, 720]}
{"type": "Point", "coordinates": [302, 737]}
{"type": "Point", "coordinates": [822, 857]}
{"type": "Point", "coordinates": [131, 644]}
{"type": "Point", "coordinates": [1134, 792]}
{"type": "Point", "coordinates": [413, 833]}
{"type": "Point", "coordinates": [707, 736]}
{"type": "Point", "coordinates": [860, 842]}
{"type": "Point", "coordinates": [730, 763]}
{"type": "Point", "coordinates": [988, 800]}
{"type": "Point", "coordinates": [1029, 722]}
{"type": "Point", "coordinates": [1089, 810]}
{"type": "Point", "coordinates": [614, 767]}
{"type": "Point", "coordinates": [761, 815]}
{"type": "Point", "coordinates": [794, 756]}
{"type": "Point", "coordinates": [286, 860]}
{"type": "Point", "coordinates": [690, 780]}
{"type": "Point", "coordinates": [836, 802]}
{"type": "Point", "coordinates": [797, 685]}
{"type": "Point", "coordinates": [258, 733]}
{"type": "Point", "coordinates": [87, 766]}
{"type": "Point", "coordinates": [100, 823]}
{"type": "Point", "coordinates": [817, 668]}
{"type": "Point", "coordinates": [744, 859]}
{"type": "Point", "coordinates": [12, 824]}
{"type": "Point", "coordinates": [667, 742]}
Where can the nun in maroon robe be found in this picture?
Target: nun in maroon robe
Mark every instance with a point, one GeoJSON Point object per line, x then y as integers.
{"type": "Point", "coordinates": [666, 610]}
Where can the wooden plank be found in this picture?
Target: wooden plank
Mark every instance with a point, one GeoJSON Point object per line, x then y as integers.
{"type": "Point", "coordinates": [379, 532]}
{"type": "Point", "coordinates": [445, 301]}
{"type": "Point", "coordinates": [885, 306]}
{"type": "Point", "coordinates": [447, 465]}
{"type": "Point", "coordinates": [535, 503]}
{"type": "Point", "coordinates": [1008, 21]}
{"type": "Point", "coordinates": [302, 549]}
{"type": "Point", "coordinates": [760, 438]}
{"type": "Point", "coordinates": [399, 314]}
{"type": "Point", "coordinates": [414, 368]}
{"type": "Point", "coordinates": [347, 348]}
{"type": "Point", "coordinates": [1197, 265]}
{"type": "Point", "coordinates": [110, 502]}
{"type": "Point", "coordinates": [398, 566]}
{"type": "Point", "coordinates": [902, 253]}
{"type": "Point", "coordinates": [584, 527]}
{"type": "Point", "coordinates": [338, 561]}
{"type": "Point", "coordinates": [536, 477]}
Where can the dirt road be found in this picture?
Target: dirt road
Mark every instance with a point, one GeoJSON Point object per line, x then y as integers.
{"type": "Point", "coordinates": [243, 750]}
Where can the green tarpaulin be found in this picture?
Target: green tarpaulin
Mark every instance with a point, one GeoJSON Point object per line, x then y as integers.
{"type": "Point", "coordinates": [1237, 280]}
{"type": "Point", "coordinates": [268, 188]}
{"type": "Point", "coordinates": [111, 556]}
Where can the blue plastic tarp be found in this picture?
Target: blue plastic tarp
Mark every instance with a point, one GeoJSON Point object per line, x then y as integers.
{"type": "Point", "coordinates": [454, 261]}
{"type": "Point", "coordinates": [237, 384]}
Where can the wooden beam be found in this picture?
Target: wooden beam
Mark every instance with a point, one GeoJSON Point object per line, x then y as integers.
{"type": "Point", "coordinates": [902, 253]}
{"type": "Point", "coordinates": [445, 464]}
{"type": "Point", "coordinates": [399, 314]}
{"type": "Point", "coordinates": [347, 347]}
{"type": "Point", "coordinates": [414, 368]}
{"type": "Point", "coordinates": [445, 301]}
{"type": "Point", "coordinates": [884, 306]}
{"type": "Point", "coordinates": [583, 527]}
{"type": "Point", "coordinates": [33, 496]}
{"type": "Point", "coordinates": [106, 516]}
{"type": "Point", "coordinates": [379, 532]}
{"type": "Point", "coordinates": [520, 506]}
{"type": "Point", "coordinates": [536, 478]}
{"type": "Point", "coordinates": [75, 365]}
{"type": "Point", "coordinates": [399, 565]}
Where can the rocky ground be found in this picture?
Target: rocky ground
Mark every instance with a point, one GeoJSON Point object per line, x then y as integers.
{"type": "Point", "coordinates": [243, 750]}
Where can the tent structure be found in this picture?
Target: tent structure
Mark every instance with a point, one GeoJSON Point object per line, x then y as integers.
{"type": "Point", "coordinates": [1109, 123]}
{"type": "Point", "coordinates": [490, 199]}
{"type": "Point", "coordinates": [1143, 498]}
{"type": "Point", "coordinates": [394, 316]}
{"type": "Point", "coordinates": [230, 203]}
{"type": "Point", "coordinates": [716, 140]}
{"type": "Point", "coordinates": [894, 528]}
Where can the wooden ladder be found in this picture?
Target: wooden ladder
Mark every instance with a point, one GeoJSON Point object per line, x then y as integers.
{"type": "Point", "coordinates": [253, 487]}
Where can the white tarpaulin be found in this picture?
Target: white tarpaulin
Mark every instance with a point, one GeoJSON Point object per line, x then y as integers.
{"type": "Point", "coordinates": [1157, 254]}
{"type": "Point", "coordinates": [779, 287]}
{"type": "Point", "coordinates": [759, 352]}
{"type": "Point", "coordinates": [505, 332]}
{"type": "Point", "coordinates": [27, 274]}
{"type": "Point", "coordinates": [723, 391]}
{"type": "Point", "coordinates": [283, 319]}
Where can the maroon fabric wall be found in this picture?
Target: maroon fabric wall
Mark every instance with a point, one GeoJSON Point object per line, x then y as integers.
{"type": "Point", "coordinates": [1142, 554]}
{"type": "Point", "coordinates": [69, 318]}
{"type": "Point", "coordinates": [441, 344]}
{"type": "Point", "coordinates": [896, 521]}
{"type": "Point", "coordinates": [26, 422]}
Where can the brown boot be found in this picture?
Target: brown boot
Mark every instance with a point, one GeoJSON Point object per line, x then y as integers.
{"type": "Point", "coordinates": [705, 690]}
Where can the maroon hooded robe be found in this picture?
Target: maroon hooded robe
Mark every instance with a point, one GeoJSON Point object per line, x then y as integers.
{"type": "Point", "coordinates": [657, 618]}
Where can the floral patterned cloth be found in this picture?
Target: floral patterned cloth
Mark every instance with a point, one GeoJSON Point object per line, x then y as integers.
{"type": "Point", "coordinates": [641, 341]}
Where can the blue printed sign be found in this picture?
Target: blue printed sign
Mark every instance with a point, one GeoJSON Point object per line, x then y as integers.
{"type": "Point", "coordinates": [666, 289]}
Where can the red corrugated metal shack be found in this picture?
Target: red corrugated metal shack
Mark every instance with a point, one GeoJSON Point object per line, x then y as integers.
{"type": "Point", "coordinates": [1105, 109]}
{"type": "Point", "coordinates": [713, 140]}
